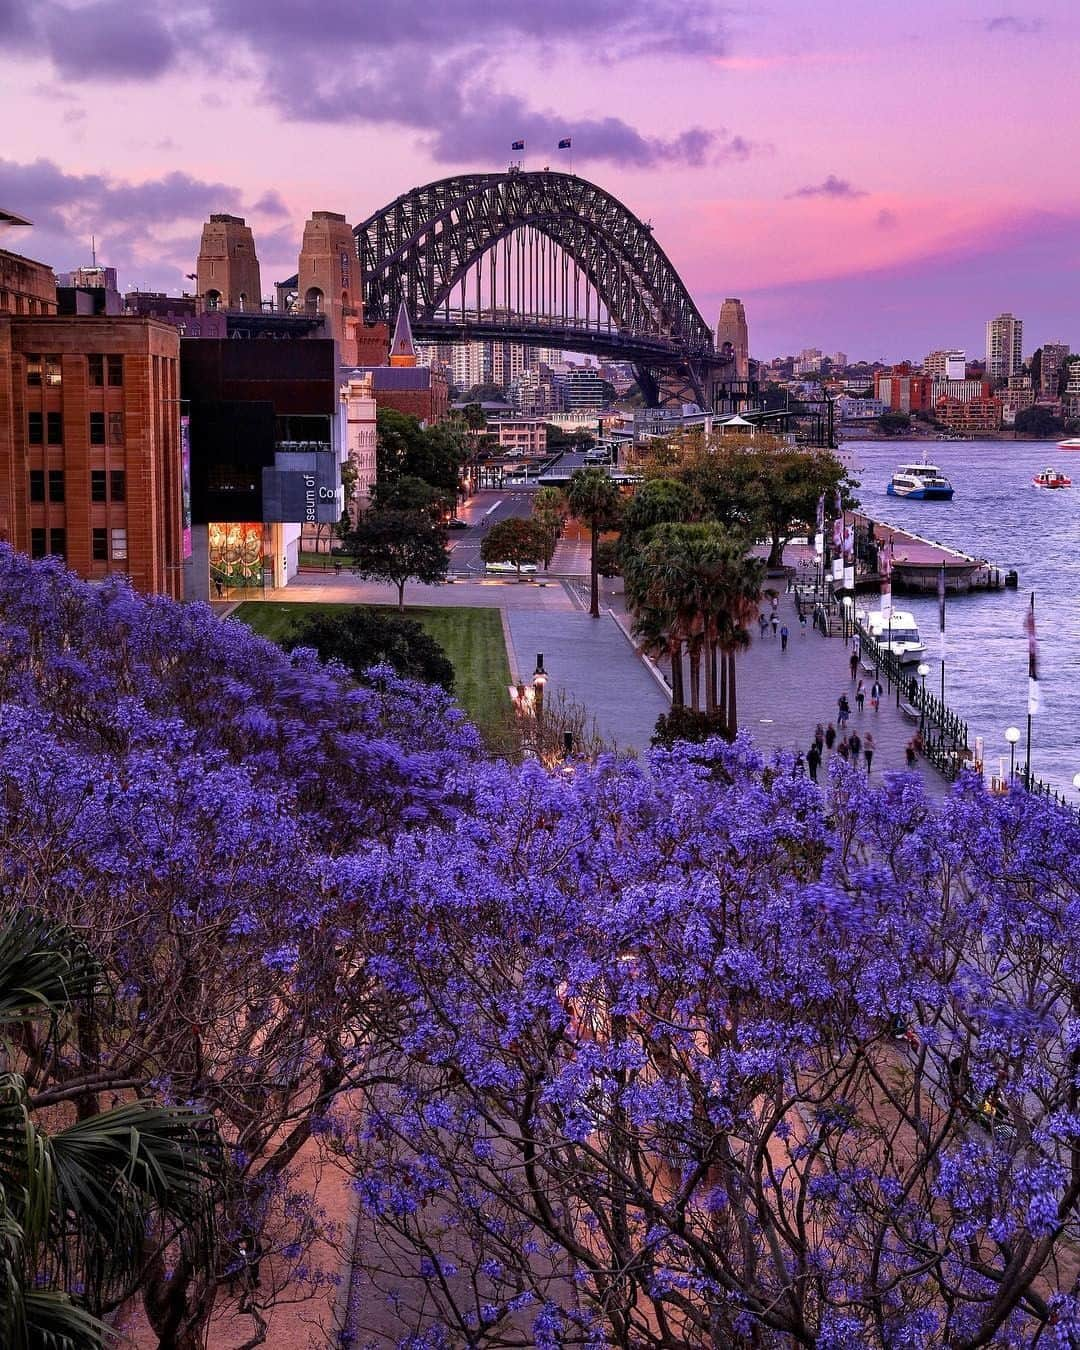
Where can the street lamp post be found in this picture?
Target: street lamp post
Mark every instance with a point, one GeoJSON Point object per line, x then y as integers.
{"type": "Point", "coordinates": [923, 670]}
{"type": "Point", "coordinates": [1012, 735]}
{"type": "Point", "coordinates": [539, 680]}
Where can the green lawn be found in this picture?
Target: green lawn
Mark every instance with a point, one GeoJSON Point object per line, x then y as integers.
{"type": "Point", "coordinates": [471, 637]}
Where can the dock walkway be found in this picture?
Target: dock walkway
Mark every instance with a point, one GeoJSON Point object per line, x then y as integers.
{"type": "Point", "coordinates": [917, 561]}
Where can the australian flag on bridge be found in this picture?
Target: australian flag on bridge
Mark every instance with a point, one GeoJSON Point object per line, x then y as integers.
{"type": "Point", "coordinates": [517, 145]}
{"type": "Point", "coordinates": [564, 144]}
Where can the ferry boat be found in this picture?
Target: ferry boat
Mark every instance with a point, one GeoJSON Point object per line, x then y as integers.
{"type": "Point", "coordinates": [923, 482]}
{"type": "Point", "coordinates": [900, 635]}
{"type": "Point", "coordinates": [1051, 478]}
{"type": "Point", "coordinates": [1073, 443]}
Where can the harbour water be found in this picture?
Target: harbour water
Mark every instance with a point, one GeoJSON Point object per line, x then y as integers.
{"type": "Point", "coordinates": [997, 514]}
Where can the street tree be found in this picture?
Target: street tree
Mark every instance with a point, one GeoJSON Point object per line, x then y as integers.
{"type": "Point", "coordinates": [398, 547]}
{"type": "Point", "coordinates": [406, 449]}
{"type": "Point", "coordinates": [514, 540]}
{"type": "Point", "coordinates": [549, 510]}
{"type": "Point", "coordinates": [594, 500]}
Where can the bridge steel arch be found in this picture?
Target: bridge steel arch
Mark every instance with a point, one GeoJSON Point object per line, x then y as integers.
{"type": "Point", "coordinates": [422, 247]}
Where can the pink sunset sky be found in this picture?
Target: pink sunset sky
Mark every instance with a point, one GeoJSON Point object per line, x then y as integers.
{"type": "Point", "coordinates": [874, 178]}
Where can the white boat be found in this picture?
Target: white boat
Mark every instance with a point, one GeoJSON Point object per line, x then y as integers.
{"type": "Point", "coordinates": [1073, 443]}
{"type": "Point", "coordinates": [922, 482]}
{"type": "Point", "coordinates": [900, 635]}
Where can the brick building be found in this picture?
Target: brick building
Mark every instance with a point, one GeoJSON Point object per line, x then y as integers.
{"type": "Point", "coordinates": [90, 456]}
{"type": "Point", "coordinates": [901, 390]}
{"type": "Point", "coordinates": [978, 414]}
{"type": "Point", "coordinates": [26, 286]}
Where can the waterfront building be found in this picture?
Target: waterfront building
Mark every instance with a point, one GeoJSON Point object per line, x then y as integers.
{"type": "Point", "coordinates": [979, 414]}
{"type": "Point", "coordinates": [731, 328]}
{"type": "Point", "coordinates": [519, 435]}
{"type": "Point", "coordinates": [1053, 359]}
{"type": "Point", "coordinates": [1004, 346]}
{"type": "Point", "coordinates": [852, 408]}
{"type": "Point", "coordinates": [901, 390]}
{"type": "Point", "coordinates": [227, 268]}
{"type": "Point", "coordinates": [1019, 394]}
{"type": "Point", "coordinates": [962, 389]}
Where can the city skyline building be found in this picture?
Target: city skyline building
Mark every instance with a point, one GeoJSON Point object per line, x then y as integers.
{"type": "Point", "coordinates": [1004, 346]}
{"type": "Point", "coordinates": [1053, 359]}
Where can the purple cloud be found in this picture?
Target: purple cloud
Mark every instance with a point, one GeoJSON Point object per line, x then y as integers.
{"type": "Point", "coordinates": [270, 204]}
{"type": "Point", "coordinates": [1012, 23]}
{"type": "Point", "coordinates": [838, 188]}
{"type": "Point", "coordinates": [412, 64]}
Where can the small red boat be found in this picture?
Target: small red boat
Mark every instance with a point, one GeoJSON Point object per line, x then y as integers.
{"type": "Point", "coordinates": [1050, 478]}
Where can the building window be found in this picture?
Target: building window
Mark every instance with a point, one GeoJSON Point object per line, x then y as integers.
{"type": "Point", "coordinates": [99, 545]}
{"type": "Point", "coordinates": [54, 426]}
{"type": "Point", "coordinates": [37, 485]}
{"type": "Point", "coordinates": [35, 428]}
{"type": "Point", "coordinates": [118, 485]}
{"type": "Point", "coordinates": [53, 373]}
{"type": "Point", "coordinates": [98, 491]}
{"type": "Point", "coordinates": [37, 543]}
{"type": "Point", "coordinates": [58, 543]}
{"type": "Point", "coordinates": [33, 370]}
{"type": "Point", "coordinates": [95, 365]}
{"type": "Point", "coordinates": [119, 545]}
{"type": "Point", "coordinates": [97, 428]}
{"type": "Point", "coordinates": [116, 369]}
{"type": "Point", "coordinates": [116, 428]}
{"type": "Point", "coordinates": [56, 485]}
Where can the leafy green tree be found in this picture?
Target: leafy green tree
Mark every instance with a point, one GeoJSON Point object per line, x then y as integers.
{"type": "Point", "coordinates": [411, 494]}
{"type": "Point", "coordinates": [486, 393]}
{"type": "Point", "coordinates": [514, 540]}
{"type": "Point", "coordinates": [79, 1204]}
{"type": "Point", "coordinates": [608, 562]}
{"type": "Point", "coordinates": [594, 500]}
{"type": "Point", "coordinates": [404, 448]}
{"type": "Point", "coordinates": [398, 547]}
{"type": "Point", "coordinates": [474, 417]}
{"type": "Point", "coordinates": [1038, 423]}
{"type": "Point", "coordinates": [894, 423]}
{"type": "Point", "coordinates": [560, 440]}
{"type": "Point", "coordinates": [659, 501]}
{"type": "Point", "coordinates": [361, 636]}
{"type": "Point", "coordinates": [549, 510]}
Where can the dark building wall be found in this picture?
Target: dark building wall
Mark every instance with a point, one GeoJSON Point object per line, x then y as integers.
{"type": "Point", "coordinates": [244, 398]}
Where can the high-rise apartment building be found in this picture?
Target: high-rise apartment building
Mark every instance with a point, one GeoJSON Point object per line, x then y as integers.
{"type": "Point", "coordinates": [731, 327]}
{"type": "Point", "coordinates": [1004, 346]}
{"type": "Point", "coordinates": [945, 364]}
{"type": "Point", "coordinates": [1053, 359]}
{"type": "Point", "coordinates": [227, 269]}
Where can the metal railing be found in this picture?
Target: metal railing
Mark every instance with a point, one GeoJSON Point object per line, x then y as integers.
{"type": "Point", "coordinates": [944, 735]}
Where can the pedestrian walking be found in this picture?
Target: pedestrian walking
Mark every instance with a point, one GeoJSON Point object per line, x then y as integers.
{"type": "Point", "coordinates": [856, 644]}
{"type": "Point", "coordinates": [813, 760]}
{"type": "Point", "coordinates": [875, 694]}
{"type": "Point", "coordinates": [911, 754]}
{"type": "Point", "coordinates": [762, 623]}
{"type": "Point", "coordinates": [860, 695]}
{"type": "Point", "coordinates": [819, 736]}
{"type": "Point", "coordinates": [843, 709]}
{"type": "Point", "coordinates": [830, 736]}
{"type": "Point", "coordinates": [802, 623]}
{"type": "Point", "coordinates": [868, 751]}
{"type": "Point", "coordinates": [775, 623]}
{"type": "Point", "coordinates": [775, 601]}
{"type": "Point", "coordinates": [855, 746]}
{"type": "Point", "coordinates": [783, 637]}
{"type": "Point", "coordinates": [800, 763]}
{"type": "Point", "coordinates": [844, 749]}
{"type": "Point", "coordinates": [798, 605]}
{"type": "Point", "coordinates": [853, 663]}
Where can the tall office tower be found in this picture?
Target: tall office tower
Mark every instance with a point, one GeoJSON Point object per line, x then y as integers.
{"type": "Point", "coordinates": [1053, 358]}
{"type": "Point", "coordinates": [328, 279]}
{"type": "Point", "coordinates": [731, 327]}
{"type": "Point", "coordinates": [1004, 346]}
{"type": "Point", "coordinates": [227, 269]}
{"type": "Point", "coordinates": [945, 364]}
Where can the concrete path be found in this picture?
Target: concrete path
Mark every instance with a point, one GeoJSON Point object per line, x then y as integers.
{"type": "Point", "coordinates": [593, 662]}
{"type": "Point", "coordinates": [346, 589]}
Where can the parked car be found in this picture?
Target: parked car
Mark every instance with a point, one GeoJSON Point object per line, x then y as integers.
{"type": "Point", "coordinates": [456, 524]}
{"type": "Point", "coordinates": [501, 568]}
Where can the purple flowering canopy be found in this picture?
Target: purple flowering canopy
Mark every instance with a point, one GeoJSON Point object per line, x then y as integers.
{"type": "Point", "coordinates": [689, 1053]}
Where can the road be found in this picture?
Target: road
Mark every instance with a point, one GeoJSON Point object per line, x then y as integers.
{"type": "Point", "coordinates": [481, 512]}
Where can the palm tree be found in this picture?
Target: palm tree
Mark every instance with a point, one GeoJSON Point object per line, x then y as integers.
{"type": "Point", "coordinates": [594, 499]}
{"type": "Point", "coordinates": [78, 1206]}
{"type": "Point", "coordinates": [740, 581]}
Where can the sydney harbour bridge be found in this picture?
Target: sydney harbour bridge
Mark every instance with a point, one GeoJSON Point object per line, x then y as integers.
{"type": "Point", "coordinates": [545, 259]}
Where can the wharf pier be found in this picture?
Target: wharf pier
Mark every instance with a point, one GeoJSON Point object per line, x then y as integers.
{"type": "Point", "coordinates": [917, 562]}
